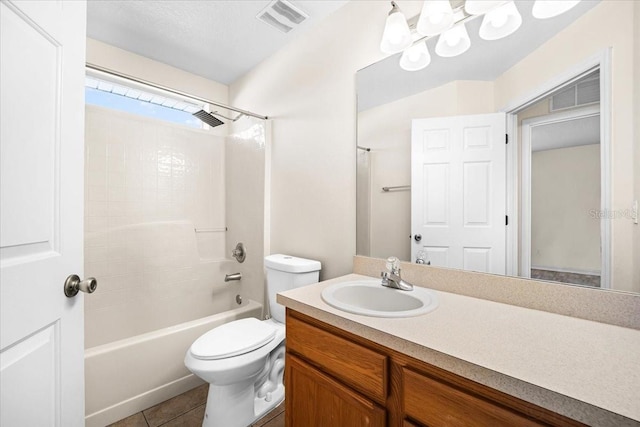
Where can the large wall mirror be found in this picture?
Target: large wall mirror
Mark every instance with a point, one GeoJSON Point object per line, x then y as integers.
{"type": "Point", "coordinates": [438, 181]}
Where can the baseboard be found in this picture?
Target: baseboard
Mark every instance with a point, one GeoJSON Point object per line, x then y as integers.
{"type": "Point", "coordinates": [142, 401]}
{"type": "Point", "coordinates": [566, 270]}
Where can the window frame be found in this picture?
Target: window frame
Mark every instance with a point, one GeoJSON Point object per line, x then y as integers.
{"type": "Point", "coordinates": [146, 90]}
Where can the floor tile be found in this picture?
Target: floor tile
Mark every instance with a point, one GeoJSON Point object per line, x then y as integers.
{"type": "Point", "coordinates": [135, 420]}
{"type": "Point", "coordinates": [276, 422]}
{"type": "Point", "coordinates": [274, 413]}
{"type": "Point", "coordinates": [193, 418]}
{"type": "Point", "coordinates": [172, 408]}
{"type": "Point", "coordinates": [187, 410]}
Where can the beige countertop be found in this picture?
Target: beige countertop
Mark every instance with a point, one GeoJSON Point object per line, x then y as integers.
{"type": "Point", "coordinates": [586, 370]}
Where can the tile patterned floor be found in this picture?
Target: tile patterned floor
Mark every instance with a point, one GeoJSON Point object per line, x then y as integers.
{"type": "Point", "coordinates": [187, 410]}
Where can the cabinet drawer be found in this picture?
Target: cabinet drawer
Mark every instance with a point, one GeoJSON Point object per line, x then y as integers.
{"type": "Point", "coordinates": [359, 367]}
{"type": "Point", "coordinates": [435, 403]}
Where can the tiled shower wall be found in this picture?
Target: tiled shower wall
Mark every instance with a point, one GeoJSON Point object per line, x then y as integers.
{"type": "Point", "coordinates": [247, 182]}
{"type": "Point", "coordinates": [154, 225]}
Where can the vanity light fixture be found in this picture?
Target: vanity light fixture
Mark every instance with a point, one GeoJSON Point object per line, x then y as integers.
{"type": "Point", "coordinates": [480, 7]}
{"type": "Point", "coordinates": [437, 17]}
{"type": "Point", "coordinates": [543, 9]}
{"type": "Point", "coordinates": [416, 57]}
{"type": "Point", "coordinates": [500, 22]}
{"type": "Point", "coordinates": [453, 42]}
{"type": "Point", "coordinates": [397, 35]}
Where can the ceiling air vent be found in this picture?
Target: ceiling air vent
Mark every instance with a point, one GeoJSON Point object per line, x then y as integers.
{"type": "Point", "coordinates": [282, 15]}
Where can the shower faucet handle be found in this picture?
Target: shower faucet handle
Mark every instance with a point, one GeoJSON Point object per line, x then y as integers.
{"type": "Point", "coordinates": [239, 253]}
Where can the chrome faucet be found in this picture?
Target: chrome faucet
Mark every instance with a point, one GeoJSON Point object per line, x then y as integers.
{"type": "Point", "coordinates": [392, 279]}
{"type": "Point", "coordinates": [233, 276]}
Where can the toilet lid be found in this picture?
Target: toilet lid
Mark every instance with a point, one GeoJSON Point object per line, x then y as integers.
{"type": "Point", "coordinates": [233, 339]}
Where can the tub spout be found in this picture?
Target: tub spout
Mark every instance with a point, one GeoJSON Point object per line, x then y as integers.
{"type": "Point", "coordinates": [234, 276]}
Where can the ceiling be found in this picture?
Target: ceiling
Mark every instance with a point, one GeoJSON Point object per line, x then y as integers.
{"type": "Point", "coordinates": [216, 39]}
{"type": "Point", "coordinates": [565, 134]}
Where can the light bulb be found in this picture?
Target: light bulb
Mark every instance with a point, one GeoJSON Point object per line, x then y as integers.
{"type": "Point", "coordinates": [500, 22]}
{"type": "Point", "coordinates": [452, 38]}
{"type": "Point", "coordinates": [396, 36]}
{"type": "Point", "coordinates": [453, 42]}
{"type": "Point", "coordinates": [436, 16]}
{"type": "Point", "coordinates": [543, 9]}
{"type": "Point", "coordinates": [499, 18]}
{"type": "Point", "coordinates": [479, 7]}
{"type": "Point", "coordinates": [416, 57]}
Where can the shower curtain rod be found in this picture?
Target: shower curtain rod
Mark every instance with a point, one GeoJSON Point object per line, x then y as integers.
{"type": "Point", "coordinates": [176, 92]}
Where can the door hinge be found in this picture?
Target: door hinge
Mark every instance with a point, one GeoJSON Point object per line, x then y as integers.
{"type": "Point", "coordinates": [506, 138]}
{"type": "Point", "coordinates": [506, 220]}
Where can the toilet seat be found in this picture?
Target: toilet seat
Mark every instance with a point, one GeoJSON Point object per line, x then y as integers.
{"type": "Point", "coordinates": [233, 339]}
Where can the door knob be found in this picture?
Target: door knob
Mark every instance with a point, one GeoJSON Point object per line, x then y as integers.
{"type": "Point", "coordinates": [417, 237]}
{"type": "Point", "coordinates": [73, 284]}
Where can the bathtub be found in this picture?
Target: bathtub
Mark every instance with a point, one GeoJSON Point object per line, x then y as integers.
{"type": "Point", "coordinates": [127, 376]}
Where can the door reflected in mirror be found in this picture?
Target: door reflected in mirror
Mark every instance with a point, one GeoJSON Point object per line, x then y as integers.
{"type": "Point", "coordinates": [561, 187]}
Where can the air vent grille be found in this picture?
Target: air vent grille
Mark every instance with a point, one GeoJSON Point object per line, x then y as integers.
{"type": "Point", "coordinates": [586, 91]}
{"type": "Point", "coordinates": [282, 15]}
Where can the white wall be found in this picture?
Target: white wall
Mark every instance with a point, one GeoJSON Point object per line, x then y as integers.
{"type": "Point", "coordinates": [565, 193]}
{"type": "Point", "coordinates": [614, 20]}
{"type": "Point", "coordinates": [308, 88]}
{"type": "Point", "coordinates": [113, 58]}
{"type": "Point", "coordinates": [386, 129]}
{"type": "Point", "coordinates": [636, 138]}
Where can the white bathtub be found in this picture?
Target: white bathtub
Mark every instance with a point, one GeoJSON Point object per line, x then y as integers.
{"type": "Point", "coordinates": [133, 374]}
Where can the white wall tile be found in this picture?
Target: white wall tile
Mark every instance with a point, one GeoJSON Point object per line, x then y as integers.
{"type": "Point", "coordinates": [149, 186]}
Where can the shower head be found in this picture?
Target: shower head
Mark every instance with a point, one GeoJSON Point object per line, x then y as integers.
{"type": "Point", "coordinates": [208, 118]}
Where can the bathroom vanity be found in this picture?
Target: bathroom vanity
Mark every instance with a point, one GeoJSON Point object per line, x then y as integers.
{"type": "Point", "coordinates": [470, 362]}
{"type": "Point", "coordinates": [338, 378]}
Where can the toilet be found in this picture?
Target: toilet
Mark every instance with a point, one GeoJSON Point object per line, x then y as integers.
{"type": "Point", "coordinates": [243, 361]}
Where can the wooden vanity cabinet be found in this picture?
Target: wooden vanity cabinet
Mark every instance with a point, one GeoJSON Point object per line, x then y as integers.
{"type": "Point", "coordinates": [318, 400]}
{"type": "Point", "coordinates": [335, 378]}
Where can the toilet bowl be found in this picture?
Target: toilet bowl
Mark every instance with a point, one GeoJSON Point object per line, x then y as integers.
{"type": "Point", "coordinates": [243, 361]}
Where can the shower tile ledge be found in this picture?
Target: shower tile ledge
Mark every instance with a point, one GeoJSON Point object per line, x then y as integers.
{"type": "Point", "coordinates": [579, 368]}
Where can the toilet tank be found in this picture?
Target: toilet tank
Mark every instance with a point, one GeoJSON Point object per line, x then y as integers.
{"type": "Point", "coordinates": [286, 272]}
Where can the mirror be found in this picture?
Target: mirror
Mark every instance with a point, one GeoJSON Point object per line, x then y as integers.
{"type": "Point", "coordinates": [528, 75]}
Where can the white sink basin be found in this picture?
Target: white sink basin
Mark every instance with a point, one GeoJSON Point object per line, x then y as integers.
{"type": "Point", "coordinates": [370, 298]}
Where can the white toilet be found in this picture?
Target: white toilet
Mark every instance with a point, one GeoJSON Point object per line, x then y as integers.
{"type": "Point", "coordinates": [243, 361]}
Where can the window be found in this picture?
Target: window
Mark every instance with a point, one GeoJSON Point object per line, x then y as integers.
{"type": "Point", "coordinates": [123, 95]}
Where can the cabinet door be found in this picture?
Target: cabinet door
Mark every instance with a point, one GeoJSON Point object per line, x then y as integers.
{"type": "Point", "coordinates": [315, 399]}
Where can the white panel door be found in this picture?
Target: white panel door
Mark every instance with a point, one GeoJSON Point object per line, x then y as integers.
{"type": "Point", "coordinates": [42, 56]}
{"type": "Point", "coordinates": [458, 171]}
